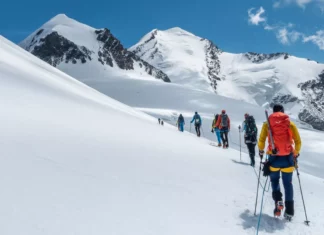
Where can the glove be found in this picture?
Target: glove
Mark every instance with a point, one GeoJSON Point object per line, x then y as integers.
{"type": "Point", "coordinates": [296, 154]}
{"type": "Point", "coordinates": [261, 153]}
{"type": "Point", "coordinates": [212, 131]}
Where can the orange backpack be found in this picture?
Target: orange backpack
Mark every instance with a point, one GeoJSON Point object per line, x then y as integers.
{"type": "Point", "coordinates": [282, 136]}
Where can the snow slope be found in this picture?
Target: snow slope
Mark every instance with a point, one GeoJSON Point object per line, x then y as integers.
{"type": "Point", "coordinates": [77, 162]}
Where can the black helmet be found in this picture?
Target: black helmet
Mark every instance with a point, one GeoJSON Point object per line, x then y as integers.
{"type": "Point", "coordinates": [278, 108]}
{"type": "Point", "coordinates": [196, 112]}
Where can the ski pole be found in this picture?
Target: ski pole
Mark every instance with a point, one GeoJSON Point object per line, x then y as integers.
{"type": "Point", "coordinates": [240, 143]}
{"type": "Point", "coordinates": [203, 131]}
{"type": "Point", "coordinates": [256, 199]}
{"type": "Point", "coordinates": [306, 221]}
{"type": "Point", "coordinates": [190, 127]}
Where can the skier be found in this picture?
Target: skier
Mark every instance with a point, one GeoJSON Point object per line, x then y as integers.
{"type": "Point", "coordinates": [162, 123]}
{"type": "Point", "coordinates": [216, 130]}
{"type": "Point", "coordinates": [196, 118]}
{"type": "Point", "coordinates": [250, 135]}
{"type": "Point", "coordinates": [159, 120]}
{"type": "Point", "coordinates": [282, 158]}
{"type": "Point", "coordinates": [180, 123]}
{"type": "Point", "coordinates": [223, 124]}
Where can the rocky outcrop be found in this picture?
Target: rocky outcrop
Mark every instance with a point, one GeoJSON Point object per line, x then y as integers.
{"type": "Point", "coordinates": [259, 58]}
{"type": "Point", "coordinates": [55, 49]}
{"type": "Point", "coordinates": [312, 113]}
{"type": "Point", "coordinates": [50, 46]}
{"type": "Point", "coordinates": [213, 63]}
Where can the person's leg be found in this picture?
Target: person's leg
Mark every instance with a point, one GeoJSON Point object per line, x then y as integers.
{"type": "Point", "coordinates": [274, 179]}
{"type": "Point", "coordinates": [249, 146]}
{"type": "Point", "coordinates": [197, 130]}
{"type": "Point", "coordinates": [226, 138]}
{"type": "Point", "coordinates": [289, 193]}
{"type": "Point", "coordinates": [223, 138]}
{"type": "Point", "coordinates": [181, 127]}
{"type": "Point", "coordinates": [276, 193]}
{"type": "Point", "coordinates": [218, 136]}
{"type": "Point", "coordinates": [252, 153]}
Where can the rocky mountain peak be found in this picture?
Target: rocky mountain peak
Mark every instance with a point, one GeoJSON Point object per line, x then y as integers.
{"type": "Point", "coordinates": [64, 40]}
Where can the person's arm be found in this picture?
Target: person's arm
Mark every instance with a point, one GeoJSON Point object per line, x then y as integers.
{"type": "Point", "coordinates": [218, 121]}
{"type": "Point", "coordinates": [244, 125]}
{"type": "Point", "coordinates": [229, 123]}
{"type": "Point", "coordinates": [296, 138]}
{"type": "Point", "coordinates": [193, 118]}
{"type": "Point", "coordinates": [263, 136]}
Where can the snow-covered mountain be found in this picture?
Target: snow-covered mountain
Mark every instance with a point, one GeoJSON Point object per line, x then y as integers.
{"type": "Point", "coordinates": [85, 52]}
{"type": "Point", "coordinates": [261, 79]}
{"type": "Point", "coordinates": [70, 166]}
{"type": "Point", "coordinates": [186, 58]}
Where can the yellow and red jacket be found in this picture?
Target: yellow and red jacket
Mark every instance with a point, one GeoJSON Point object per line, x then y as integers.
{"type": "Point", "coordinates": [295, 136]}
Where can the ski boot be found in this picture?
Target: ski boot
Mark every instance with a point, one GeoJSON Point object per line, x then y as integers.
{"type": "Point", "coordinates": [219, 145]}
{"type": "Point", "coordinates": [279, 205]}
{"type": "Point", "coordinates": [289, 211]}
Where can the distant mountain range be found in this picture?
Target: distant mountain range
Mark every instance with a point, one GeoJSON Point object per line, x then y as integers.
{"type": "Point", "coordinates": [180, 57]}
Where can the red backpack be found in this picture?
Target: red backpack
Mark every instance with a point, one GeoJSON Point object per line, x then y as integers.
{"type": "Point", "coordinates": [282, 136]}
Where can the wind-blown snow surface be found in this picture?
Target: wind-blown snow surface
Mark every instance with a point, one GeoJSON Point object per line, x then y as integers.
{"type": "Point", "coordinates": [74, 161]}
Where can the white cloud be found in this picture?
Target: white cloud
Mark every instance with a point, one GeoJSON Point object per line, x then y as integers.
{"type": "Point", "coordinates": [269, 27]}
{"type": "Point", "coordinates": [256, 18]}
{"type": "Point", "coordinates": [287, 37]}
{"type": "Point", "coordinates": [294, 36]}
{"type": "Point", "coordinates": [317, 39]}
{"type": "Point", "coordinates": [300, 3]}
{"type": "Point", "coordinates": [285, 33]}
{"type": "Point", "coordinates": [282, 36]}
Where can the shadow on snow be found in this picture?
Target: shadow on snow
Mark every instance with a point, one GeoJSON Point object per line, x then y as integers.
{"type": "Point", "coordinates": [268, 223]}
{"type": "Point", "coordinates": [241, 163]}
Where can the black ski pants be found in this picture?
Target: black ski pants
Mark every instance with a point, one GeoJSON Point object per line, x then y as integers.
{"type": "Point", "coordinates": [224, 136]}
{"type": "Point", "coordinates": [197, 127]}
{"type": "Point", "coordinates": [251, 148]}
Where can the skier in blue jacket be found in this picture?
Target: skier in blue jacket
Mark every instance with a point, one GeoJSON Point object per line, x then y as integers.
{"type": "Point", "coordinates": [180, 123]}
{"type": "Point", "coordinates": [196, 118]}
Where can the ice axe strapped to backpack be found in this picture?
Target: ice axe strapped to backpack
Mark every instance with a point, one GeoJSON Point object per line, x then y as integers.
{"type": "Point", "coordinates": [274, 150]}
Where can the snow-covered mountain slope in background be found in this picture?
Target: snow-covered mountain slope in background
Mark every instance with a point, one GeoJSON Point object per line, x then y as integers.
{"type": "Point", "coordinates": [261, 79]}
{"type": "Point", "coordinates": [84, 52]}
{"type": "Point", "coordinates": [186, 58]}
{"type": "Point", "coordinates": [70, 164]}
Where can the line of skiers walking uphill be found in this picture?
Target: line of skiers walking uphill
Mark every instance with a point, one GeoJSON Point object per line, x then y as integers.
{"type": "Point", "coordinates": [282, 151]}
{"type": "Point", "coordinates": [221, 126]}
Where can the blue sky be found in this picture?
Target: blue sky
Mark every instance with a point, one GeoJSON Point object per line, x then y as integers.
{"type": "Point", "coordinates": [265, 26]}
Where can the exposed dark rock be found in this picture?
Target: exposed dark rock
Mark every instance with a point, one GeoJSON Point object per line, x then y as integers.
{"type": "Point", "coordinates": [283, 99]}
{"type": "Point", "coordinates": [113, 50]}
{"type": "Point", "coordinates": [54, 49]}
{"type": "Point", "coordinates": [313, 91]}
{"type": "Point", "coordinates": [213, 63]}
{"type": "Point", "coordinates": [259, 58]}
{"type": "Point", "coordinates": [39, 32]}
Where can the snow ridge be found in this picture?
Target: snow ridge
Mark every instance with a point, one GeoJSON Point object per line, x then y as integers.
{"type": "Point", "coordinates": [64, 40]}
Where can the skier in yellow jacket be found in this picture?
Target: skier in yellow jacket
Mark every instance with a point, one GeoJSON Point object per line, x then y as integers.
{"type": "Point", "coordinates": [287, 144]}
